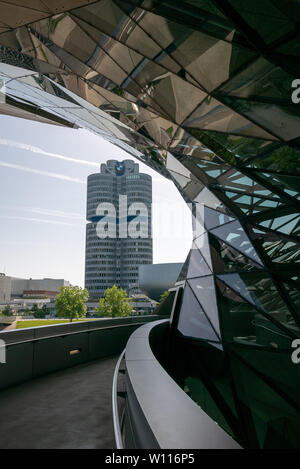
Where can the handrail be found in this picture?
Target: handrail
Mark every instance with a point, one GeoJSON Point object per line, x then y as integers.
{"type": "Point", "coordinates": [63, 334]}
{"type": "Point", "coordinates": [32, 334]}
{"type": "Point", "coordinates": [164, 417]}
{"type": "Point", "coordinates": [115, 411]}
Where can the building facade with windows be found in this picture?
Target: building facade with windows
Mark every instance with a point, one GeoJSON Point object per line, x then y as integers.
{"type": "Point", "coordinates": [12, 288]}
{"type": "Point", "coordinates": [118, 235]}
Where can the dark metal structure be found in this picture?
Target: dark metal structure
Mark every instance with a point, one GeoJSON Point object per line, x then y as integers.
{"type": "Point", "coordinates": [206, 93]}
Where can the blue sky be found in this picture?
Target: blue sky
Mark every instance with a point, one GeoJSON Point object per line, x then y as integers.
{"type": "Point", "coordinates": [43, 201]}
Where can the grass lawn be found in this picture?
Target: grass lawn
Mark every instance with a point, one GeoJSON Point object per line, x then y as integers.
{"type": "Point", "coordinates": [46, 322]}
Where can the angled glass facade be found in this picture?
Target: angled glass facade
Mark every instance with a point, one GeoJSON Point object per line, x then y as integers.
{"type": "Point", "coordinates": [202, 92]}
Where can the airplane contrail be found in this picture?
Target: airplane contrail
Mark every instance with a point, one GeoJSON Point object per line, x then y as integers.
{"type": "Point", "coordinates": [37, 150]}
{"type": "Point", "coordinates": [42, 173]}
{"type": "Point", "coordinates": [53, 213]}
{"type": "Point", "coordinates": [41, 220]}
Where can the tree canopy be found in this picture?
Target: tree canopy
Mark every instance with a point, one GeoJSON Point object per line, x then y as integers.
{"type": "Point", "coordinates": [39, 312]}
{"type": "Point", "coordinates": [115, 303]}
{"type": "Point", "coordinates": [70, 302]}
{"type": "Point", "coordinates": [163, 296]}
{"type": "Point", "coordinates": [7, 311]}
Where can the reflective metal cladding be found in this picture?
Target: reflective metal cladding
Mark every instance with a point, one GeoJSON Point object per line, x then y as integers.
{"type": "Point", "coordinates": [204, 92]}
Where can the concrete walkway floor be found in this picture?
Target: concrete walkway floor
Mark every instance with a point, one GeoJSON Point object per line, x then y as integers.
{"type": "Point", "coordinates": [67, 409]}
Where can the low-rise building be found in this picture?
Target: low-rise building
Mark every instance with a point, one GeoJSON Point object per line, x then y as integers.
{"type": "Point", "coordinates": [40, 294]}
{"type": "Point", "coordinates": [142, 304]}
{"type": "Point", "coordinates": [5, 288]}
{"type": "Point", "coordinates": [21, 285]}
{"type": "Point", "coordinates": [22, 294]}
{"type": "Point", "coordinates": [21, 306]}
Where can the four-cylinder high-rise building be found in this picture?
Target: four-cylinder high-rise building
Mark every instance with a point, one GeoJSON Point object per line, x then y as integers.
{"type": "Point", "coordinates": [118, 235]}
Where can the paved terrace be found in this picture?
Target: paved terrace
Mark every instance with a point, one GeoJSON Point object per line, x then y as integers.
{"type": "Point", "coordinates": [66, 409]}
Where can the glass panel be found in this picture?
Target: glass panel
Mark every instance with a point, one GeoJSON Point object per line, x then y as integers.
{"type": "Point", "coordinates": [213, 169]}
{"type": "Point", "coordinates": [15, 16]}
{"type": "Point", "coordinates": [271, 421]}
{"type": "Point", "coordinates": [281, 120]}
{"type": "Point", "coordinates": [202, 244]}
{"type": "Point", "coordinates": [197, 390]}
{"type": "Point", "coordinates": [251, 204]}
{"type": "Point", "coordinates": [204, 289]}
{"type": "Point", "coordinates": [208, 59]}
{"type": "Point", "coordinates": [184, 270]}
{"type": "Point", "coordinates": [192, 320]}
{"type": "Point", "coordinates": [259, 290]}
{"type": "Point", "coordinates": [232, 148]}
{"type": "Point", "coordinates": [213, 115]}
{"type": "Point", "coordinates": [207, 198]}
{"type": "Point", "coordinates": [288, 184]}
{"type": "Point", "coordinates": [268, 363]}
{"type": "Point", "coordinates": [185, 144]}
{"type": "Point", "coordinates": [110, 19]}
{"type": "Point", "coordinates": [213, 218]}
{"type": "Point", "coordinates": [234, 235]}
{"type": "Point", "coordinates": [177, 97]}
{"type": "Point", "coordinates": [279, 248]}
{"type": "Point", "coordinates": [234, 180]}
{"type": "Point", "coordinates": [243, 324]}
{"type": "Point", "coordinates": [261, 78]}
{"type": "Point", "coordinates": [293, 291]}
{"type": "Point", "coordinates": [286, 224]}
{"type": "Point", "coordinates": [279, 23]}
{"type": "Point", "coordinates": [227, 259]}
{"type": "Point", "coordinates": [197, 265]}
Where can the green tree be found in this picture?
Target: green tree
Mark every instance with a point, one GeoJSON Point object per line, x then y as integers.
{"type": "Point", "coordinates": [70, 302]}
{"type": "Point", "coordinates": [35, 311]}
{"type": "Point", "coordinates": [39, 312]}
{"type": "Point", "coordinates": [7, 311]}
{"type": "Point", "coordinates": [163, 296]}
{"type": "Point", "coordinates": [165, 305]}
{"type": "Point", "coordinates": [115, 303]}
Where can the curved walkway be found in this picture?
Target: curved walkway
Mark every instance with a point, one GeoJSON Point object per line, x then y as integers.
{"type": "Point", "coordinates": [67, 409]}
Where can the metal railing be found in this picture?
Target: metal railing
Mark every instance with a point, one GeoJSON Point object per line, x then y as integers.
{"type": "Point", "coordinates": [115, 410]}
{"type": "Point", "coordinates": [29, 334]}
{"type": "Point", "coordinates": [159, 413]}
